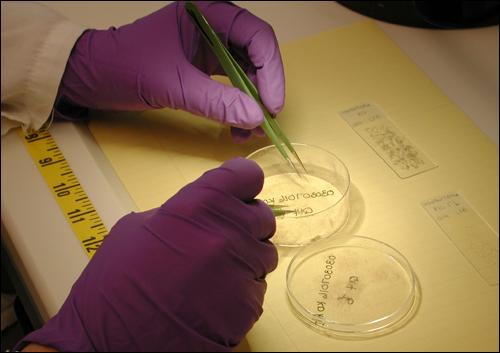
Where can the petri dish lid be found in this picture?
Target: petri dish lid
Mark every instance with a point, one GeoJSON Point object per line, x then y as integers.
{"type": "Point", "coordinates": [352, 287]}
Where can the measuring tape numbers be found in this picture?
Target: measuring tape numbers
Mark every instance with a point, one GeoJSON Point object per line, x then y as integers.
{"type": "Point", "coordinates": [64, 185]}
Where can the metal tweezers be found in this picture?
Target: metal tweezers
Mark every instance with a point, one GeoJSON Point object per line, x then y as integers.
{"type": "Point", "coordinates": [240, 79]}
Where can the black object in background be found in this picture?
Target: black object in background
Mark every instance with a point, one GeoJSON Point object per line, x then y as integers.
{"type": "Point", "coordinates": [430, 13]}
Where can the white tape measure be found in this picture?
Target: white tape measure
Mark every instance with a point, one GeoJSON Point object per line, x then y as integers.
{"type": "Point", "coordinates": [69, 194]}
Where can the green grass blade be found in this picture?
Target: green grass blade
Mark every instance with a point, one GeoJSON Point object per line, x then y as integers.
{"type": "Point", "coordinates": [279, 211]}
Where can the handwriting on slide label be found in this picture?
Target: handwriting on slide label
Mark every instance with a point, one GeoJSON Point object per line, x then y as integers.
{"type": "Point", "coordinates": [472, 236]}
{"type": "Point", "coordinates": [404, 158]}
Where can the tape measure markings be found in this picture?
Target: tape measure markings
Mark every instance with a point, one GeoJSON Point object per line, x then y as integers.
{"type": "Point", "coordinates": [66, 189]}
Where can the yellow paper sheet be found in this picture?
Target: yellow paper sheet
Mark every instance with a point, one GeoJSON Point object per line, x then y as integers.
{"type": "Point", "coordinates": [156, 153]}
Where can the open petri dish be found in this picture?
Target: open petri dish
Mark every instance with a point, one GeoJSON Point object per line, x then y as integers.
{"type": "Point", "coordinates": [352, 287]}
{"type": "Point", "coordinates": [319, 199]}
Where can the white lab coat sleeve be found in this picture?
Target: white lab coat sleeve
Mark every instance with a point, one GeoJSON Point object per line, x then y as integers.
{"type": "Point", "coordinates": [36, 44]}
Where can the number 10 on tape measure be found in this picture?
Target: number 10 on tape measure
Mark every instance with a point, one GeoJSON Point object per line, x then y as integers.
{"type": "Point", "coordinates": [66, 189]}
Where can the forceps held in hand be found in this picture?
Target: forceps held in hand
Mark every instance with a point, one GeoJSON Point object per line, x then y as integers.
{"type": "Point", "coordinates": [240, 79]}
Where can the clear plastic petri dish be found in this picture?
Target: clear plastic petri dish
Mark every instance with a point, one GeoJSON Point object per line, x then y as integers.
{"type": "Point", "coordinates": [352, 287]}
{"type": "Point", "coordinates": [319, 200]}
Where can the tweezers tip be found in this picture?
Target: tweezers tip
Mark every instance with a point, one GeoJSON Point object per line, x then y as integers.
{"type": "Point", "coordinates": [297, 171]}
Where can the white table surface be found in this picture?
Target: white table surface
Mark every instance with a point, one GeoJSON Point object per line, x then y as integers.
{"type": "Point", "coordinates": [463, 63]}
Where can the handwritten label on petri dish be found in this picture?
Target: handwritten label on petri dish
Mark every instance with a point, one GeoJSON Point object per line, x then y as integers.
{"type": "Point", "coordinates": [323, 290]}
{"type": "Point", "coordinates": [473, 237]}
{"type": "Point", "coordinates": [318, 207]}
{"type": "Point", "coordinates": [404, 158]}
{"type": "Point", "coordinates": [352, 285]}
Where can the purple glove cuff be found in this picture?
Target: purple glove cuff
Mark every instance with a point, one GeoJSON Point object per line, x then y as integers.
{"type": "Point", "coordinates": [64, 333]}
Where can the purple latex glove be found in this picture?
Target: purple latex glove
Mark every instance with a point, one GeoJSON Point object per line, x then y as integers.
{"type": "Point", "coordinates": [188, 276]}
{"type": "Point", "coordinates": [161, 60]}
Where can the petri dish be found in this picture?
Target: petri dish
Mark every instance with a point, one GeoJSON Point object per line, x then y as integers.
{"type": "Point", "coordinates": [319, 199]}
{"type": "Point", "coordinates": [352, 287]}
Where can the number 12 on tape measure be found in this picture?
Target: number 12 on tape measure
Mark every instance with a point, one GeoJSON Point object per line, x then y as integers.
{"type": "Point", "coordinates": [69, 194]}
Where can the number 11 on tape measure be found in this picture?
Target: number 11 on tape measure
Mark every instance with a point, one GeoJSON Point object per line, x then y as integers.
{"type": "Point", "coordinates": [66, 189]}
